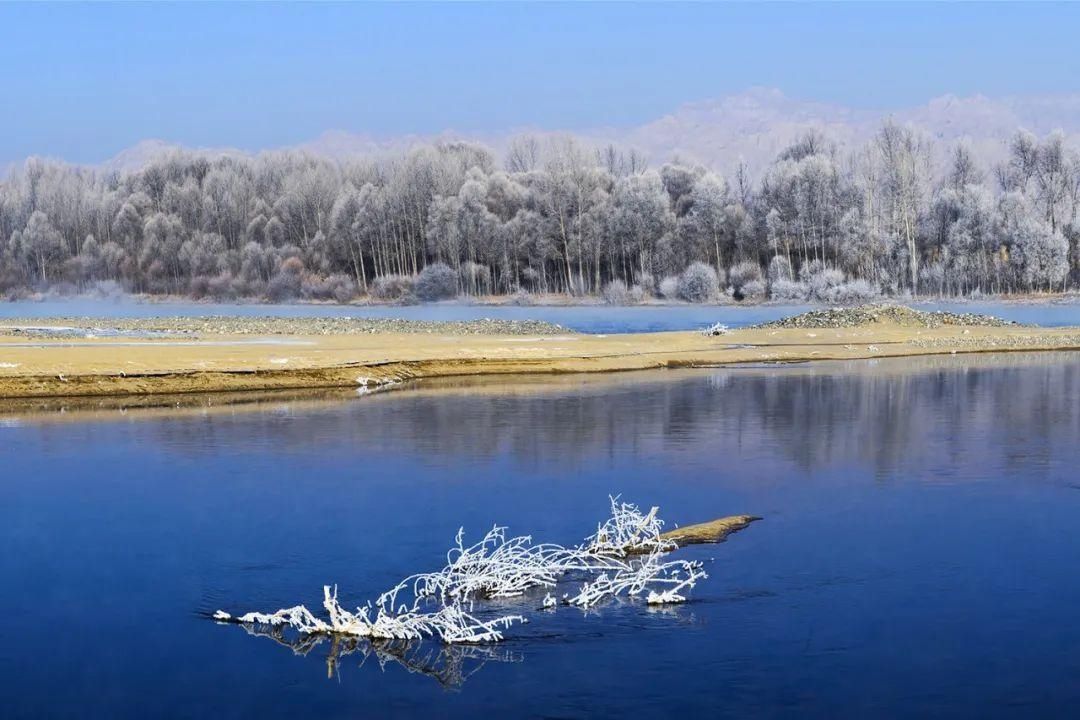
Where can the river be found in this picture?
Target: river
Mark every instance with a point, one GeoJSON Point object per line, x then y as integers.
{"type": "Point", "coordinates": [917, 555]}
{"type": "Point", "coordinates": [582, 318]}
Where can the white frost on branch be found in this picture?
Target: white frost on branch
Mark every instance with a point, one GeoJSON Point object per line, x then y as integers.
{"type": "Point", "coordinates": [624, 557]}
{"type": "Point", "coordinates": [450, 623]}
{"type": "Point", "coordinates": [495, 567]}
{"type": "Point", "coordinates": [299, 618]}
{"type": "Point", "coordinates": [649, 573]}
{"type": "Point", "coordinates": [716, 329]}
{"type": "Point", "coordinates": [627, 531]}
{"type": "Point", "coordinates": [368, 385]}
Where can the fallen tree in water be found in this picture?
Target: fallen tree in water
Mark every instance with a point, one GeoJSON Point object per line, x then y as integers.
{"type": "Point", "coordinates": [625, 557]}
{"type": "Point", "coordinates": [713, 531]}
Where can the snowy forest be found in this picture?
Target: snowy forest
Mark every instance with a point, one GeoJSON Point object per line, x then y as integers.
{"type": "Point", "coordinates": [898, 216]}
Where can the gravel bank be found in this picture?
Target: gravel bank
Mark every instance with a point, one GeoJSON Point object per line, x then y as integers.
{"type": "Point", "coordinates": [67, 327]}
{"type": "Point", "coordinates": [1000, 342]}
{"type": "Point", "coordinates": [842, 317]}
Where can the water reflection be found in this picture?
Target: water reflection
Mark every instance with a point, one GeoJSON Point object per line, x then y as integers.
{"type": "Point", "coordinates": [448, 665]}
{"type": "Point", "coordinates": [880, 414]}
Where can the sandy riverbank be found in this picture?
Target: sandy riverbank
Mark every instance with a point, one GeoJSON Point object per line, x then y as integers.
{"type": "Point", "coordinates": [228, 357]}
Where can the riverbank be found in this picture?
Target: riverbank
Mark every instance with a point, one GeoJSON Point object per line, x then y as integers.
{"type": "Point", "coordinates": [229, 354]}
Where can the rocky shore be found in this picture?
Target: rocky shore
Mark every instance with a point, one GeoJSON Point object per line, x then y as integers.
{"type": "Point", "coordinates": [991, 343]}
{"type": "Point", "coordinates": [849, 317]}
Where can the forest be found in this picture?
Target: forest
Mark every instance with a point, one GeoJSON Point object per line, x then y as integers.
{"type": "Point", "coordinates": [897, 216]}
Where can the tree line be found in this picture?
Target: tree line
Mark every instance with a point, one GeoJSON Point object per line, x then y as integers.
{"type": "Point", "coordinates": [897, 215]}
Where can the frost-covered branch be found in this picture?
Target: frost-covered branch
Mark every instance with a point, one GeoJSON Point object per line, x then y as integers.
{"type": "Point", "coordinates": [624, 557]}
{"type": "Point", "coordinates": [495, 567]}
{"type": "Point", "coordinates": [716, 329]}
{"type": "Point", "coordinates": [627, 531]}
{"type": "Point", "coordinates": [449, 623]}
{"type": "Point", "coordinates": [649, 573]}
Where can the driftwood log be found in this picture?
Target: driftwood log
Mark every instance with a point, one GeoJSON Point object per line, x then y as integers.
{"type": "Point", "coordinates": [713, 531]}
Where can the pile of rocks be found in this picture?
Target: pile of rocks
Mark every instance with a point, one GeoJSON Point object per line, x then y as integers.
{"type": "Point", "coordinates": [848, 317]}
{"type": "Point", "coordinates": [234, 325]}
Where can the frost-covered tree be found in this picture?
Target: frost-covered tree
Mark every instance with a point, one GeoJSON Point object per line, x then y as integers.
{"type": "Point", "coordinates": [39, 246]}
{"type": "Point", "coordinates": [436, 282]}
{"type": "Point", "coordinates": [1039, 255]}
{"type": "Point", "coordinates": [554, 217]}
{"type": "Point", "coordinates": [642, 216]}
{"type": "Point", "coordinates": [904, 157]}
{"type": "Point", "coordinates": [698, 283]}
{"type": "Point", "coordinates": [704, 223]}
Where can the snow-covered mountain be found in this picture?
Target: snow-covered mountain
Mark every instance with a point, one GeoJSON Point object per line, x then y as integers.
{"type": "Point", "coordinates": [752, 127]}
{"type": "Point", "coordinates": [757, 124]}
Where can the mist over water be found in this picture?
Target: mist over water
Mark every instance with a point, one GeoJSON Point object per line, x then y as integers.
{"type": "Point", "coordinates": [917, 555]}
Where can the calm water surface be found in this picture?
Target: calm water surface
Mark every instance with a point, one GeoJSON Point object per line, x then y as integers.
{"type": "Point", "coordinates": [918, 555]}
{"type": "Point", "coordinates": [589, 318]}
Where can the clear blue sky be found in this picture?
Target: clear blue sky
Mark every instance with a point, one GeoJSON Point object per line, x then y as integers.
{"type": "Point", "coordinates": [84, 81]}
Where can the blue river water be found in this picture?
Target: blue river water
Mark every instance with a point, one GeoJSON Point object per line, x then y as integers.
{"type": "Point", "coordinates": [582, 318]}
{"type": "Point", "coordinates": [917, 555]}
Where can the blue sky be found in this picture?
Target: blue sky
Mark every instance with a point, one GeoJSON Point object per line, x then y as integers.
{"type": "Point", "coordinates": [82, 81]}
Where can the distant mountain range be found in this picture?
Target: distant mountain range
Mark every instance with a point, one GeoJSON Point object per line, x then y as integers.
{"type": "Point", "coordinates": [752, 126]}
